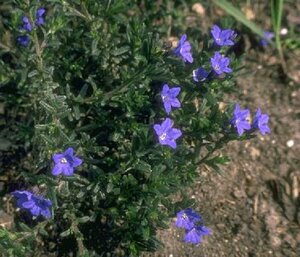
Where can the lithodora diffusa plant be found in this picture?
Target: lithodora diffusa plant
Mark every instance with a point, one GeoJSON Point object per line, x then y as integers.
{"type": "Point", "coordinates": [116, 123]}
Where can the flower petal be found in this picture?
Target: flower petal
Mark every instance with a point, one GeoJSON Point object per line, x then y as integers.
{"type": "Point", "coordinates": [28, 204]}
{"type": "Point", "coordinates": [57, 169]}
{"type": "Point", "coordinates": [69, 151]}
{"type": "Point", "coordinates": [157, 129]}
{"type": "Point", "coordinates": [46, 213]}
{"type": "Point", "coordinates": [76, 161]}
{"type": "Point", "coordinates": [67, 170]}
{"type": "Point", "coordinates": [174, 91]}
{"type": "Point", "coordinates": [166, 125]}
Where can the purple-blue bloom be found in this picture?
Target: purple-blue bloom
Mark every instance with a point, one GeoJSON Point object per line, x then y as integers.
{"type": "Point", "coordinates": [166, 134]}
{"type": "Point", "coordinates": [223, 37]}
{"type": "Point", "coordinates": [200, 74]}
{"type": "Point", "coordinates": [26, 24]}
{"type": "Point", "coordinates": [195, 234]}
{"type": "Point", "coordinates": [23, 40]}
{"type": "Point", "coordinates": [183, 49]}
{"type": "Point", "coordinates": [40, 16]}
{"type": "Point", "coordinates": [65, 163]}
{"type": "Point", "coordinates": [267, 35]}
{"type": "Point", "coordinates": [220, 64]}
{"type": "Point", "coordinates": [187, 219]}
{"type": "Point", "coordinates": [169, 99]}
{"type": "Point", "coordinates": [261, 122]}
{"type": "Point", "coordinates": [240, 119]}
{"type": "Point", "coordinates": [37, 205]}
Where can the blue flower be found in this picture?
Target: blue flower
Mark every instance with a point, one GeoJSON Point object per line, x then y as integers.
{"type": "Point", "coordinates": [195, 234]}
{"type": "Point", "coordinates": [65, 163]}
{"type": "Point", "coordinates": [169, 99]}
{"type": "Point", "coordinates": [183, 50]}
{"type": "Point", "coordinates": [223, 37]}
{"type": "Point", "coordinates": [261, 122]}
{"type": "Point", "coordinates": [23, 40]}
{"type": "Point", "coordinates": [187, 219]}
{"type": "Point", "coordinates": [40, 16]}
{"type": "Point", "coordinates": [166, 134]}
{"type": "Point", "coordinates": [267, 35]}
{"type": "Point", "coordinates": [220, 64]}
{"type": "Point", "coordinates": [240, 119]}
{"type": "Point", "coordinates": [37, 205]}
{"type": "Point", "coordinates": [200, 74]}
{"type": "Point", "coordinates": [26, 24]}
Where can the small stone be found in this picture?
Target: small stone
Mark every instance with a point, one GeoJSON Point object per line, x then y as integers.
{"type": "Point", "coordinates": [6, 221]}
{"type": "Point", "coordinates": [174, 41]}
{"type": "Point", "coordinates": [199, 9]}
{"type": "Point", "coordinates": [254, 152]}
{"type": "Point", "coordinates": [275, 241]}
{"type": "Point", "coordinates": [284, 31]}
{"type": "Point", "coordinates": [248, 12]}
{"type": "Point", "coordinates": [222, 106]}
{"type": "Point", "coordinates": [290, 143]}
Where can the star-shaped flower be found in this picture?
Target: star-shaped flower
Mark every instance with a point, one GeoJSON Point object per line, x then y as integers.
{"type": "Point", "coordinates": [187, 219]}
{"type": "Point", "coordinates": [183, 50]}
{"type": "Point", "coordinates": [240, 119]}
{"type": "Point", "coordinates": [200, 74]}
{"type": "Point", "coordinates": [23, 40]}
{"type": "Point", "coordinates": [220, 64]}
{"type": "Point", "coordinates": [37, 205]}
{"type": "Point", "coordinates": [223, 37]}
{"type": "Point", "coordinates": [195, 234]}
{"type": "Point", "coordinates": [40, 16]}
{"type": "Point", "coordinates": [166, 134]}
{"type": "Point", "coordinates": [261, 122]}
{"type": "Point", "coordinates": [169, 99]}
{"type": "Point", "coordinates": [65, 163]}
{"type": "Point", "coordinates": [26, 24]}
{"type": "Point", "coordinates": [266, 36]}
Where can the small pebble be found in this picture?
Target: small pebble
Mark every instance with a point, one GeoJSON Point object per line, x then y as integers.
{"type": "Point", "coordinates": [290, 143]}
{"type": "Point", "coordinates": [199, 9]}
{"type": "Point", "coordinates": [284, 31]}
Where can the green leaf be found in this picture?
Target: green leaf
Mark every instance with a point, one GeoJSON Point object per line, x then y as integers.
{"type": "Point", "coordinates": [120, 51]}
{"type": "Point", "coordinates": [48, 107]}
{"type": "Point", "coordinates": [83, 219]}
{"type": "Point", "coordinates": [65, 233]}
{"type": "Point", "coordinates": [32, 73]}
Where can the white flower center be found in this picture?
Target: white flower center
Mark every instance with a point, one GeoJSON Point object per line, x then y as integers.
{"type": "Point", "coordinates": [217, 67]}
{"type": "Point", "coordinates": [163, 136]}
{"type": "Point", "coordinates": [184, 216]}
{"type": "Point", "coordinates": [164, 97]}
{"type": "Point", "coordinates": [63, 160]}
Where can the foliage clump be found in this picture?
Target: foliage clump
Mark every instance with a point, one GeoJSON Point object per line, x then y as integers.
{"type": "Point", "coordinates": [91, 77]}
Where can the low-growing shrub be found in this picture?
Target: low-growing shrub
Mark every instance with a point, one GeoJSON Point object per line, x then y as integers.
{"type": "Point", "coordinates": [112, 122]}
